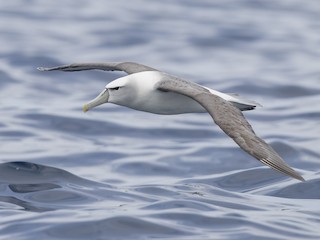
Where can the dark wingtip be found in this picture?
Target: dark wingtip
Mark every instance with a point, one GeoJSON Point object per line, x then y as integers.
{"type": "Point", "coordinates": [301, 178]}
{"type": "Point", "coordinates": [282, 167]}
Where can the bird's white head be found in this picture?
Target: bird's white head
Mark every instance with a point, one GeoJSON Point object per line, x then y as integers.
{"type": "Point", "coordinates": [126, 91]}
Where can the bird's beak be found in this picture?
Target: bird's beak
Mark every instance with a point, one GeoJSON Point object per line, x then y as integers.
{"type": "Point", "coordinates": [100, 99]}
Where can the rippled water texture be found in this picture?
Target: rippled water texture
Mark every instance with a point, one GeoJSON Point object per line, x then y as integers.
{"type": "Point", "coordinates": [115, 173]}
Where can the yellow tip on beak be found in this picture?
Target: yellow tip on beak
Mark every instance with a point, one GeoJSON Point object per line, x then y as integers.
{"type": "Point", "coordinates": [100, 99]}
{"type": "Point", "coordinates": [85, 108]}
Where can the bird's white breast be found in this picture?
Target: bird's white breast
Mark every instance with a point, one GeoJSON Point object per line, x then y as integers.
{"type": "Point", "coordinates": [149, 99]}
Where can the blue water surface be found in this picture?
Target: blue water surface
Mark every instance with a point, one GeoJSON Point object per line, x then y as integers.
{"type": "Point", "coordinates": [116, 173]}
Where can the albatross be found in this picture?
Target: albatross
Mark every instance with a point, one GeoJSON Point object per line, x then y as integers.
{"type": "Point", "coordinates": [150, 90]}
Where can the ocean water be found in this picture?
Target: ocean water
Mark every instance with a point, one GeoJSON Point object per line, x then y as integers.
{"type": "Point", "coordinates": [115, 173]}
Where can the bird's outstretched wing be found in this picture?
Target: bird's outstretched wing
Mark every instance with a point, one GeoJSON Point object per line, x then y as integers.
{"type": "Point", "coordinates": [231, 121]}
{"type": "Point", "coordinates": [128, 67]}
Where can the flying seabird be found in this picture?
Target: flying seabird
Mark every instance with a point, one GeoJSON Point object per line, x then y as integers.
{"type": "Point", "coordinates": [150, 90]}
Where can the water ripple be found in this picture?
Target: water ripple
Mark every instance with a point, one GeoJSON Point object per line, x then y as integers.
{"type": "Point", "coordinates": [153, 176]}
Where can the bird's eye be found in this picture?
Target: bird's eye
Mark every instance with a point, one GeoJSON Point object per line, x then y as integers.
{"type": "Point", "coordinates": [116, 88]}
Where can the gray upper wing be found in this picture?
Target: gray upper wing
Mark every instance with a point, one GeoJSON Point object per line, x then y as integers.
{"type": "Point", "coordinates": [231, 121]}
{"type": "Point", "coordinates": [128, 67]}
